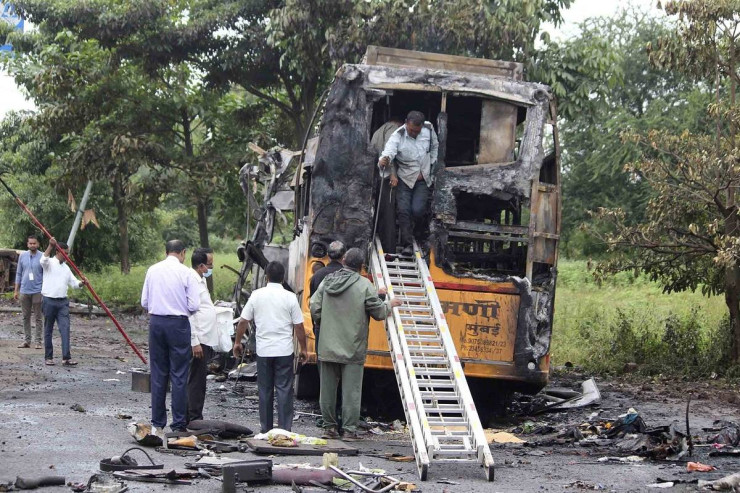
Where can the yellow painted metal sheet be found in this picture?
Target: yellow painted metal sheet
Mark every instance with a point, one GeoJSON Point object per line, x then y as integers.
{"type": "Point", "coordinates": [483, 325]}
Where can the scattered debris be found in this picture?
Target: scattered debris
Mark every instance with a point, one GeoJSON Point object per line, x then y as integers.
{"type": "Point", "coordinates": [734, 452]}
{"type": "Point", "coordinates": [142, 433]}
{"type": "Point", "coordinates": [124, 461]}
{"type": "Point", "coordinates": [731, 482]}
{"type": "Point", "coordinates": [254, 470]}
{"type": "Point", "coordinates": [123, 416]}
{"type": "Point", "coordinates": [699, 467]}
{"type": "Point", "coordinates": [222, 429]}
{"type": "Point", "coordinates": [170, 477]}
{"type": "Point", "coordinates": [77, 407]}
{"type": "Point", "coordinates": [101, 483]}
{"type": "Point", "coordinates": [277, 435]}
{"type": "Point", "coordinates": [493, 436]}
{"type": "Point", "coordinates": [589, 395]}
{"type": "Point", "coordinates": [33, 483]}
{"type": "Point", "coordinates": [446, 481]}
{"type": "Point", "coordinates": [582, 485]}
{"type": "Point", "coordinates": [629, 459]}
{"type": "Point", "coordinates": [667, 484]}
{"type": "Point", "coordinates": [245, 371]}
{"type": "Point", "coordinates": [728, 433]}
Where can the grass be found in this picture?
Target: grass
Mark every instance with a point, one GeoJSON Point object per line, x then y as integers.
{"type": "Point", "coordinates": [124, 291]}
{"type": "Point", "coordinates": [629, 319]}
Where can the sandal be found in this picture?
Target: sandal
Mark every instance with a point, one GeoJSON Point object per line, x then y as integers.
{"type": "Point", "coordinates": [25, 345]}
{"type": "Point", "coordinates": [49, 362]}
{"type": "Point", "coordinates": [69, 362]}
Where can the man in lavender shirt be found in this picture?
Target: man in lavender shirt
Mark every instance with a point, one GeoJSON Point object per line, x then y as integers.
{"type": "Point", "coordinates": [170, 295]}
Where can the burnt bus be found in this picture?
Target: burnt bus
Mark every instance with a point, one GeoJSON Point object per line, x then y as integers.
{"type": "Point", "coordinates": [495, 207]}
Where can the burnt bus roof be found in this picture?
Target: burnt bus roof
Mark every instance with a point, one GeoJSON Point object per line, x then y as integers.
{"type": "Point", "coordinates": [393, 57]}
{"type": "Point", "coordinates": [342, 172]}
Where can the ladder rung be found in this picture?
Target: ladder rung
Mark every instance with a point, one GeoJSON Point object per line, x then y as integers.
{"type": "Point", "coordinates": [427, 350]}
{"type": "Point", "coordinates": [402, 263]}
{"type": "Point", "coordinates": [428, 360]}
{"type": "Point", "coordinates": [448, 422]}
{"type": "Point", "coordinates": [412, 338]}
{"type": "Point", "coordinates": [437, 383]}
{"type": "Point", "coordinates": [432, 371]}
{"type": "Point", "coordinates": [456, 452]}
{"type": "Point", "coordinates": [440, 396]}
{"type": "Point", "coordinates": [445, 408]}
{"type": "Point", "coordinates": [413, 318]}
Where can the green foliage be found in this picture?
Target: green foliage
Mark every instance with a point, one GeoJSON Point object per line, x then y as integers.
{"type": "Point", "coordinates": [628, 319]}
{"type": "Point", "coordinates": [633, 95]}
{"type": "Point", "coordinates": [124, 291]}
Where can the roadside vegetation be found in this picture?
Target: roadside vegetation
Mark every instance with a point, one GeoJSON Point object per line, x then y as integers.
{"type": "Point", "coordinates": [627, 323]}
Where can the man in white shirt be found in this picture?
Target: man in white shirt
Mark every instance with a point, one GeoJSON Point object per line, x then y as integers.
{"type": "Point", "coordinates": [277, 317]}
{"type": "Point", "coordinates": [54, 302]}
{"type": "Point", "coordinates": [203, 334]}
{"type": "Point", "coordinates": [414, 146]}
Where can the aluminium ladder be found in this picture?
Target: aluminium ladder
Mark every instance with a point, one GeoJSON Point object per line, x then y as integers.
{"type": "Point", "coordinates": [442, 418]}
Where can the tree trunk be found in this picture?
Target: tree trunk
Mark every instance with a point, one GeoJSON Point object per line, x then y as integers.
{"type": "Point", "coordinates": [119, 199]}
{"type": "Point", "coordinates": [732, 298]}
{"type": "Point", "coordinates": [203, 232]}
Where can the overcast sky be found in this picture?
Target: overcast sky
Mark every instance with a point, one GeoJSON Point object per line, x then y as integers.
{"type": "Point", "coordinates": [12, 99]}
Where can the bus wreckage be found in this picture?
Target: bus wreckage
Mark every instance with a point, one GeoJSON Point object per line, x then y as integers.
{"type": "Point", "coordinates": [495, 213]}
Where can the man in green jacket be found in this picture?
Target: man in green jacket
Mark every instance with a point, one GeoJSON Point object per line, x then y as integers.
{"type": "Point", "coordinates": [343, 304]}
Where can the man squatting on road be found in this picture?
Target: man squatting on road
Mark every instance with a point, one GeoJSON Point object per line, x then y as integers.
{"type": "Point", "coordinates": [277, 316]}
{"type": "Point", "coordinates": [28, 278]}
{"type": "Point", "coordinates": [171, 294]}
{"type": "Point", "coordinates": [55, 304]}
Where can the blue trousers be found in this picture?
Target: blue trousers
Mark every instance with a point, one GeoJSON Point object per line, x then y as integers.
{"type": "Point", "coordinates": [169, 358]}
{"type": "Point", "coordinates": [412, 206]}
{"type": "Point", "coordinates": [56, 310]}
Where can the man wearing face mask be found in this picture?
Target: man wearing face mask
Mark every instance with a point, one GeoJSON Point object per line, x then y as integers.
{"type": "Point", "coordinates": [203, 334]}
{"type": "Point", "coordinates": [170, 294]}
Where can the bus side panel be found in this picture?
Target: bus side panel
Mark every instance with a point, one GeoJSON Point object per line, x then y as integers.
{"type": "Point", "coordinates": [483, 325]}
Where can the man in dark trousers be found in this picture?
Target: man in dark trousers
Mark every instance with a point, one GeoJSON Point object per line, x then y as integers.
{"type": "Point", "coordinates": [336, 252]}
{"type": "Point", "coordinates": [277, 318]}
{"type": "Point", "coordinates": [344, 303]}
{"type": "Point", "coordinates": [203, 334]}
{"type": "Point", "coordinates": [170, 294]}
{"type": "Point", "coordinates": [386, 206]}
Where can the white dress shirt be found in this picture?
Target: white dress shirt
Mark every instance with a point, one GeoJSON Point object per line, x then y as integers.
{"type": "Point", "coordinates": [274, 311]}
{"type": "Point", "coordinates": [203, 329]}
{"type": "Point", "coordinates": [57, 278]}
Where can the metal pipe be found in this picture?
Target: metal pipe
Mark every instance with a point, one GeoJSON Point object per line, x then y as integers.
{"type": "Point", "coordinates": [78, 217]}
{"type": "Point", "coordinates": [77, 271]}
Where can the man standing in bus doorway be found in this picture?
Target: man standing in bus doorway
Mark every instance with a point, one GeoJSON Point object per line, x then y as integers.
{"type": "Point", "coordinates": [28, 279]}
{"type": "Point", "coordinates": [386, 206]}
{"type": "Point", "coordinates": [343, 305]}
{"type": "Point", "coordinates": [414, 146]}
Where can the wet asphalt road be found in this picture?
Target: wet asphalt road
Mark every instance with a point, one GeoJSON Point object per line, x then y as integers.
{"type": "Point", "coordinates": [41, 435]}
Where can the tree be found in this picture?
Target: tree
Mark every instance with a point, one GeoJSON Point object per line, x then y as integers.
{"type": "Point", "coordinates": [605, 84]}
{"type": "Point", "coordinates": [690, 236]}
